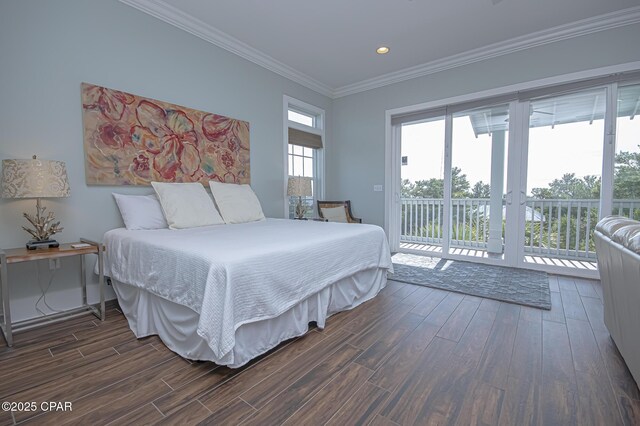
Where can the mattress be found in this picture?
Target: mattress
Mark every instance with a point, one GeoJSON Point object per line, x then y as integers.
{"type": "Point", "coordinates": [232, 275]}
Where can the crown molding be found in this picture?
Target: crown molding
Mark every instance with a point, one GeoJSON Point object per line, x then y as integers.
{"type": "Point", "coordinates": [186, 22]}
{"type": "Point", "coordinates": [563, 32]}
{"type": "Point", "coordinates": [169, 14]}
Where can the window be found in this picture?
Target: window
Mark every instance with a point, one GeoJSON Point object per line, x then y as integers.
{"type": "Point", "coordinates": [304, 147]}
{"type": "Point", "coordinates": [301, 118]}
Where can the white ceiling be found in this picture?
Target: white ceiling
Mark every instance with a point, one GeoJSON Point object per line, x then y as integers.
{"type": "Point", "coordinates": [331, 44]}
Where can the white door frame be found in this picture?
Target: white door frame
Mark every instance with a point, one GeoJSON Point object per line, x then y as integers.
{"type": "Point", "coordinates": [609, 151]}
{"type": "Point", "coordinates": [392, 183]}
{"type": "Point", "coordinates": [516, 182]}
{"type": "Point", "coordinates": [516, 178]}
{"type": "Point", "coordinates": [606, 186]}
{"type": "Point", "coordinates": [447, 189]}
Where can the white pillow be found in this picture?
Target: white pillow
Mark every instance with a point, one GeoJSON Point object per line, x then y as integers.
{"type": "Point", "coordinates": [186, 205]}
{"type": "Point", "coordinates": [335, 214]}
{"type": "Point", "coordinates": [140, 211]}
{"type": "Point", "coordinates": [237, 203]}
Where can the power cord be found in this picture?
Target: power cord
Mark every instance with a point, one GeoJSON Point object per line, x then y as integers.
{"type": "Point", "coordinates": [43, 292]}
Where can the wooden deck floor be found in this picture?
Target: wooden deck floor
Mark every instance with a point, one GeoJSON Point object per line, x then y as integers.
{"type": "Point", "coordinates": [536, 259]}
{"type": "Point", "coordinates": [413, 355]}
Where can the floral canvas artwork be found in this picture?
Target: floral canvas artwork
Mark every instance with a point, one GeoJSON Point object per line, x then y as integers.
{"type": "Point", "coordinates": [131, 140]}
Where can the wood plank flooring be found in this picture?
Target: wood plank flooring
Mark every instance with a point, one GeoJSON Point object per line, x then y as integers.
{"type": "Point", "coordinates": [412, 355]}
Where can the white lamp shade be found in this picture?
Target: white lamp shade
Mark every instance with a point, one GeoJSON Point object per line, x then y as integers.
{"type": "Point", "coordinates": [299, 186]}
{"type": "Point", "coordinates": [34, 179]}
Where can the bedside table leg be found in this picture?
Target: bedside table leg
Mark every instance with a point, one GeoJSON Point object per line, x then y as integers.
{"type": "Point", "coordinates": [101, 281]}
{"type": "Point", "coordinates": [6, 307]}
{"type": "Point", "coordinates": [83, 279]}
{"type": "Point", "coordinates": [100, 254]}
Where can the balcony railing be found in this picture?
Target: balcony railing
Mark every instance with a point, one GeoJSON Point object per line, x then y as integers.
{"type": "Point", "coordinates": [559, 228]}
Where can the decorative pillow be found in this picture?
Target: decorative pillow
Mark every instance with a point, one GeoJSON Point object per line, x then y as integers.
{"type": "Point", "coordinates": [186, 205]}
{"type": "Point", "coordinates": [335, 214]}
{"type": "Point", "coordinates": [140, 211]}
{"type": "Point", "coordinates": [237, 203]}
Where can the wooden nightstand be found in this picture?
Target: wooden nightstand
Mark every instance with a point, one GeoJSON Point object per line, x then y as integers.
{"type": "Point", "coordinates": [18, 255]}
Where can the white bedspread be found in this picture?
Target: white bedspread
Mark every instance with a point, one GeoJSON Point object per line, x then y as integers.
{"type": "Point", "coordinates": [237, 274]}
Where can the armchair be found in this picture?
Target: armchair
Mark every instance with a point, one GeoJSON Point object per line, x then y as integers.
{"type": "Point", "coordinates": [333, 213]}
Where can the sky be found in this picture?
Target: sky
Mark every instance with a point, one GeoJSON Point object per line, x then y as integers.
{"type": "Point", "coordinates": [567, 148]}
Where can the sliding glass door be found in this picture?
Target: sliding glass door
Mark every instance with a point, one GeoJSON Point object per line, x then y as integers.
{"type": "Point", "coordinates": [453, 181]}
{"type": "Point", "coordinates": [522, 179]}
{"type": "Point", "coordinates": [564, 176]}
{"type": "Point", "coordinates": [478, 181]}
{"type": "Point", "coordinates": [422, 193]}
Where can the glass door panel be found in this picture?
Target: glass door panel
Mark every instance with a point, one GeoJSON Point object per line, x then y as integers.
{"type": "Point", "coordinates": [564, 171]}
{"type": "Point", "coordinates": [422, 177]}
{"type": "Point", "coordinates": [478, 182]}
{"type": "Point", "coordinates": [626, 179]}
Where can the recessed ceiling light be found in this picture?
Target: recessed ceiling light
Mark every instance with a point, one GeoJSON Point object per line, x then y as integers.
{"type": "Point", "coordinates": [382, 50]}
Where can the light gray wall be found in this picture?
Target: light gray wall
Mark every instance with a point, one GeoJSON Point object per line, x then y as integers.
{"type": "Point", "coordinates": [47, 48]}
{"type": "Point", "coordinates": [356, 162]}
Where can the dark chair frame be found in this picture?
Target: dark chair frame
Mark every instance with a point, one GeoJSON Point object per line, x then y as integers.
{"type": "Point", "coordinates": [346, 204]}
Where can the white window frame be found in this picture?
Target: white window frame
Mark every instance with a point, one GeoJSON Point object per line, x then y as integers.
{"type": "Point", "coordinates": [318, 115]}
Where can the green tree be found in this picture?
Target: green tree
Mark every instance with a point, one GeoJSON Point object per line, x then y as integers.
{"type": "Point", "coordinates": [407, 188]}
{"type": "Point", "coordinates": [544, 193]}
{"type": "Point", "coordinates": [459, 184]}
{"type": "Point", "coordinates": [626, 184]}
{"type": "Point", "coordinates": [481, 190]}
{"type": "Point", "coordinates": [434, 188]}
{"type": "Point", "coordinates": [592, 186]}
{"type": "Point", "coordinates": [570, 187]}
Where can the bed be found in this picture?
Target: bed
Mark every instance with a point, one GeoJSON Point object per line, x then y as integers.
{"type": "Point", "coordinates": [229, 293]}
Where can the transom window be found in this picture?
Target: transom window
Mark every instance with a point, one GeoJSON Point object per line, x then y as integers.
{"type": "Point", "coordinates": [301, 118]}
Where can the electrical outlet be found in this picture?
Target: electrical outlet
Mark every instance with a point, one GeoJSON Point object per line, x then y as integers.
{"type": "Point", "coordinates": [54, 264]}
{"type": "Point", "coordinates": [377, 188]}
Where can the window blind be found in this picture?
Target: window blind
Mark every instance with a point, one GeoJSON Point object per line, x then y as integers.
{"type": "Point", "coordinates": [306, 139]}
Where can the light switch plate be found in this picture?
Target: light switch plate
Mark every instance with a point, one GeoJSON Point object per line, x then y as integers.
{"type": "Point", "coordinates": [377, 188]}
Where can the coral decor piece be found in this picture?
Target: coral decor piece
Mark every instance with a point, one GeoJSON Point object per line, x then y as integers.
{"type": "Point", "coordinates": [130, 140]}
{"type": "Point", "coordinates": [43, 226]}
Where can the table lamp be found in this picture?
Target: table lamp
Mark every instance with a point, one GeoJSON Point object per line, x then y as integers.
{"type": "Point", "coordinates": [36, 179]}
{"type": "Point", "coordinates": [299, 186]}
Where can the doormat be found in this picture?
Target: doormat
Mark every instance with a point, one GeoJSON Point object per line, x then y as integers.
{"type": "Point", "coordinates": [521, 286]}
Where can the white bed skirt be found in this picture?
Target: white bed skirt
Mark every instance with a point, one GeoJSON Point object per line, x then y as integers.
{"type": "Point", "coordinates": [176, 324]}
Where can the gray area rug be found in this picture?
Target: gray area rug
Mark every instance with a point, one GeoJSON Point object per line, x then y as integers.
{"type": "Point", "coordinates": [530, 288]}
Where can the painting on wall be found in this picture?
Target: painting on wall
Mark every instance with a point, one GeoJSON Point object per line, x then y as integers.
{"type": "Point", "coordinates": [131, 140]}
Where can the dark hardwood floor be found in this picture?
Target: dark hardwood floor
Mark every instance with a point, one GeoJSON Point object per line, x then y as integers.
{"type": "Point", "coordinates": [413, 355]}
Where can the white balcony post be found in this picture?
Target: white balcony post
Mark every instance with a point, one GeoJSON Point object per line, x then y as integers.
{"type": "Point", "coordinates": [497, 184]}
